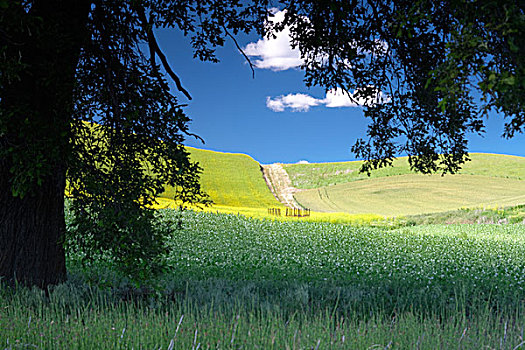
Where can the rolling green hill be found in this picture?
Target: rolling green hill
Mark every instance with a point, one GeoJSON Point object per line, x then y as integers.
{"type": "Point", "coordinates": [231, 179]}
{"type": "Point", "coordinates": [315, 175]}
{"type": "Point", "coordinates": [487, 181]}
{"type": "Point", "coordinates": [236, 181]}
{"type": "Point", "coordinates": [414, 194]}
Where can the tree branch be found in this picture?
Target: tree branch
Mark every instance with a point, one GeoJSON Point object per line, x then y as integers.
{"type": "Point", "coordinates": [148, 27]}
{"type": "Point", "coordinates": [155, 50]}
{"type": "Point", "coordinates": [240, 50]}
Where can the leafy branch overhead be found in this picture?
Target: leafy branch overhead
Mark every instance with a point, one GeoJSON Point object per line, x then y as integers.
{"type": "Point", "coordinates": [442, 64]}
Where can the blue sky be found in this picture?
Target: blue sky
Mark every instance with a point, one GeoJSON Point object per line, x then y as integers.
{"type": "Point", "coordinates": [274, 117]}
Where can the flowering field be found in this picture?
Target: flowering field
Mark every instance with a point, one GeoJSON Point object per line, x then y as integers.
{"type": "Point", "coordinates": [427, 264]}
{"type": "Point", "coordinates": [240, 283]}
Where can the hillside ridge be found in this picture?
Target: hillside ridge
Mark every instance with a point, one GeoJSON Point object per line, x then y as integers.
{"type": "Point", "coordinates": [230, 179]}
{"type": "Point", "coordinates": [316, 175]}
{"type": "Point", "coordinates": [238, 180]}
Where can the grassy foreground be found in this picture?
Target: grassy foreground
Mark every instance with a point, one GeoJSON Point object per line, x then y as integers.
{"type": "Point", "coordinates": [98, 322]}
{"type": "Point", "coordinates": [243, 283]}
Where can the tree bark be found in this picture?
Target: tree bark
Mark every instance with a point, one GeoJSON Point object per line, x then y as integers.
{"type": "Point", "coordinates": [32, 231]}
{"type": "Point", "coordinates": [37, 113]}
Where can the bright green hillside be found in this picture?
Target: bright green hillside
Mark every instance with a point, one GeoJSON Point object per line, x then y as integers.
{"type": "Point", "coordinates": [317, 175]}
{"type": "Point", "coordinates": [414, 194]}
{"type": "Point", "coordinates": [232, 179]}
{"type": "Point", "coordinates": [487, 181]}
{"type": "Point", "coordinates": [235, 180]}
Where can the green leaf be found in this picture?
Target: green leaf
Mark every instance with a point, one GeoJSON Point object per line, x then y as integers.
{"type": "Point", "coordinates": [443, 105]}
{"type": "Point", "coordinates": [509, 81]}
{"type": "Point", "coordinates": [513, 46]}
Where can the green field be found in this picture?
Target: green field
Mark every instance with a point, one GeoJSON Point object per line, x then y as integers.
{"type": "Point", "coordinates": [484, 258]}
{"type": "Point", "coordinates": [315, 175]}
{"type": "Point", "coordinates": [236, 185]}
{"type": "Point", "coordinates": [234, 282]}
{"type": "Point", "coordinates": [231, 179]}
{"type": "Point", "coordinates": [243, 283]}
{"type": "Point", "coordinates": [487, 181]}
{"type": "Point", "coordinates": [415, 194]}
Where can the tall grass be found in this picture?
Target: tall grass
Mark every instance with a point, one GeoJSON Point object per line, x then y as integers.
{"type": "Point", "coordinates": [76, 317]}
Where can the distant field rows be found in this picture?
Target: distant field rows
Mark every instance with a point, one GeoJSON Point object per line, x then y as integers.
{"type": "Point", "coordinates": [414, 194]}
{"type": "Point", "coordinates": [487, 181]}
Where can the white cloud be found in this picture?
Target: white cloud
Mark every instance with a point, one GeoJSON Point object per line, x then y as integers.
{"type": "Point", "coordinates": [337, 98]}
{"type": "Point", "coordinates": [275, 53]}
{"type": "Point", "coordinates": [334, 98]}
{"type": "Point", "coordinates": [296, 102]}
{"type": "Point", "coordinates": [276, 105]}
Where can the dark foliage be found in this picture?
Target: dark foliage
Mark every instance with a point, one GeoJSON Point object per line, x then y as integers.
{"type": "Point", "coordinates": [119, 129]}
{"type": "Point", "coordinates": [441, 65]}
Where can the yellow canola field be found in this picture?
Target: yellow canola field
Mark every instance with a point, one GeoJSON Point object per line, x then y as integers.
{"type": "Point", "coordinates": [262, 213]}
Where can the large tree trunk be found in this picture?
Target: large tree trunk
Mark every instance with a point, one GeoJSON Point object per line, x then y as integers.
{"type": "Point", "coordinates": [34, 144]}
{"type": "Point", "coordinates": [32, 231]}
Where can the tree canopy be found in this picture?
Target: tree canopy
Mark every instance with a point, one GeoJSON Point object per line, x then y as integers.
{"type": "Point", "coordinates": [85, 100]}
{"type": "Point", "coordinates": [439, 66]}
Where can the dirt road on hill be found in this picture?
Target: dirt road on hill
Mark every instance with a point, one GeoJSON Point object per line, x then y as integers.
{"type": "Point", "coordinates": [280, 184]}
